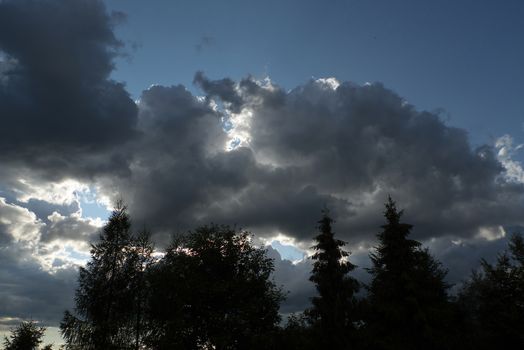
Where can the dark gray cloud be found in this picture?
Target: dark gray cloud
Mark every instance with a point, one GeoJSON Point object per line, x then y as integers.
{"type": "Point", "coordinates": [28, 292]}
{"type": "Point", "coordinates": [37, 272]}
{"type": "Point", "coordinates": [58, 106]}
{"type": "Point", "coordinates": [224, 89]}
{"type": "Point", "coordinates": [459, 257]}
{"type": "Point", "coordinates": [43, 209]}
{"type": "Point", "coordinates": [343, 146]}
{"type": "Point", "coordinates": [205, 42]}
{"type": "Point", "coordinates": [321, 144]}
{"type": "Point", "coordinates": [62, 117]}
{"type": "Point", "coordinates": [246, 152]}
{"type": "Point", "coordinates": [294, 281]}
{"type": "Point", "coordinates": [71, 227]}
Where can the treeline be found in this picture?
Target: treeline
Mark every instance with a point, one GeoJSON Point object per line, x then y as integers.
{"type": "Point", "coordinates": [212, 289]}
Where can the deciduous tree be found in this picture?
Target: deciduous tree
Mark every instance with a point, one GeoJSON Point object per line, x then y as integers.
{"type": "Point", "coordinates": [213, 290]}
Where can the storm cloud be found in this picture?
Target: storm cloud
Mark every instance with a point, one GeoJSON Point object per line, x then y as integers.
{"type": "Point", "coordinates": [60, 109]}
{"type": "Point", "coordinates": [251, 153]}
{"type": "Point", "coordinates": [37, 274]}
{"type": "Point", "coordinates": [245, 152]}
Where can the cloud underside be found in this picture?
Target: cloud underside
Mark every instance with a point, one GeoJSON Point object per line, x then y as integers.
{"type": "Point", "coordinates": [242, 152]}
{"type": "Point", "coordinates": [341, 146]}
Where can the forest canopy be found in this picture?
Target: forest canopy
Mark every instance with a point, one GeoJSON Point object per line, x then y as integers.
{"type": "Point", "coordinates": [213, 288]}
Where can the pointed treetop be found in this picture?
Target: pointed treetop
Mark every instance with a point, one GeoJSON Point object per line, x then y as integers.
{"type": "Point", "coordinates": [120, 208]}
{"type": "Point", "coordinates": [516, 247]}
{"type": "Point", "coordinates": [326, 221]}
{"type": "Point", "coordinates": [391, 213]}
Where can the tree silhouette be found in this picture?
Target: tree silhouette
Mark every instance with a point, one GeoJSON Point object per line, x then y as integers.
{"type": "Point", "coordinates": [407, 295]}
{"type": "Point", "coordinates": [27, 336]}
{"type": "Point", "coordinates": [296, 334]}
{"type": "Point", "coordinates": [139, 260]}
{"type": "Point", "coordinates": [334, 309]}
{"type": "Point", "coordinates": [494, 300]}
{"type": "Point", "coordinates": [213, 290]}
{"type": "Point", "coordinates": [109, 290]}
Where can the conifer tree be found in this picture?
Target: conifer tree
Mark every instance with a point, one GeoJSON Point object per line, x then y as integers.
{"type": "Point", "coordinates": [295, 334]}
{"type": "Point", "coordinates": [27, 336]}
{"type": "Point", "coordinates": [493, 300]}
{"type": "Point", "coordinates": [106, 298]}
{"type": "Point", "coordinates": [333, 311]}
{"type": "Point", "coordinates": [407, 295]}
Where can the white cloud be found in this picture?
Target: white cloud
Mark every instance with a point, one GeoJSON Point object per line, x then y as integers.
{"type": "Point", "coordinates": [506, 153]}
{"type": "Point", "coordinates": [57, 243]}
{"type": "Point", "coordinates": [492, 233]}
{"type": "Point", "coordinates": [63, 192]}
{"type": "Point", "coordinates": [239, 135]}
{"type": "Point", "coordinates": [19, 223]}
{"type": "Point", "coordinates": [330, 83]}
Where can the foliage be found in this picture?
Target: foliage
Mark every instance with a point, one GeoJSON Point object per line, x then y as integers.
{"type": "Point", "coordinates": [139, 260]}
{"type": "Point", "coordinates": [333, 312]}
{"type": "Point", "coordinates": [296, 334]}
{"type": "Point", "coordinates": [213, 290]}
{"type": "Point", "coordinates": [27, 336]}
{"type": "Point", "coordinates": [493, 300]}
{"type": "Point", "coordinates": [109, 297]}
{"type": "Point", "coordinates": [408, 306]}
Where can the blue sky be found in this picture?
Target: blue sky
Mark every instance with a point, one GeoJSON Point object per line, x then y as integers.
{"type": "Point", "coordinates": [463, 57]}
{"type": "Point", "coordinates": [461, 60]}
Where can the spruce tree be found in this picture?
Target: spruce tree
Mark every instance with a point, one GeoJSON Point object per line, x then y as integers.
{"type": "Point", "coordinates": [407, 295]}
{"type": "Point", "coordinates": [333, 311]}
{"type": "Point", "coordinates": [493, 300]}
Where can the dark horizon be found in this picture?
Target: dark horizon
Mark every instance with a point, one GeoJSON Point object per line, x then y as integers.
{"type": "Point", "coordinates": [212, 286]}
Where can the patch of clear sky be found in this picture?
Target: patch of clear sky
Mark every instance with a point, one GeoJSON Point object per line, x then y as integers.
{"type": "Point", "coordinates": [462, 56]}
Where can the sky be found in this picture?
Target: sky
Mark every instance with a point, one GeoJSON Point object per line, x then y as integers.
{"type": "Point", "coordinates": [258, 114]}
